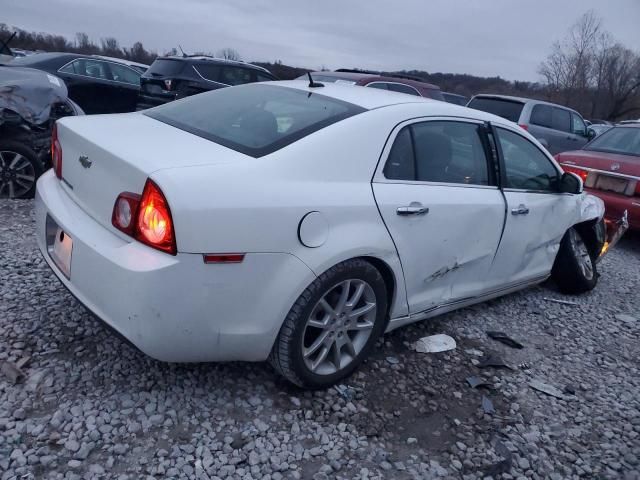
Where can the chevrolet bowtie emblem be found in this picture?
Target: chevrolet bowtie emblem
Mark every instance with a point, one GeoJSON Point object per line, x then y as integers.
{"type": "Point", "coordinates": [84, 161]}
{"type": "Point", "coordinates": [615, 166]}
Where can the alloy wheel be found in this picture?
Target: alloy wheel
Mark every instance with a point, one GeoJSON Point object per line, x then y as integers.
{"type": "Point", "coordinates": [582, 254]}
{"type": "Point", "coordinates": [17, 174]}
{"type": "Point", "coordinates": [339, 326]}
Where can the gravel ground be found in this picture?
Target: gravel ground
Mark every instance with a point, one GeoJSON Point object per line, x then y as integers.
{"type": "Point", "coordinates": [92, 406]}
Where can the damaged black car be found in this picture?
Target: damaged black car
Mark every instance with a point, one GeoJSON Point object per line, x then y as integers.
{"type": "Point", "coordinates": [30, 103]}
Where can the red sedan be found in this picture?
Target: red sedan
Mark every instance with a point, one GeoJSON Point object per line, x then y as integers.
{"type": "Point", "coordinates": [610, 168]}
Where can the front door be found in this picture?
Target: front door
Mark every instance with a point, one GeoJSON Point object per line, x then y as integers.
{"type": "Point", "coordinates": [532, 231]}
{"type": "Point", "coordinates": [439, 199]}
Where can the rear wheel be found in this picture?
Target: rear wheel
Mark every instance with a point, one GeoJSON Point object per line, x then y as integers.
{"type": "Point", "coordinates": [19, 170]}
{"type": "Point", "coordinates": [332, 326]}
{"type": "Point", "coordinates": [574, 270]}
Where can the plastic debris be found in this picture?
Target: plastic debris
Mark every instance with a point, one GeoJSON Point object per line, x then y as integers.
{"type": "Point", "coordinates": [12, 372]}
{"type": "Point", "coordinates": [546, 388]}
{"type": "Point", "coordinates": [435, 344]}
{"type": "Point", "coordinates": [562, 302]}
{"type": "Point", "coordinates": [487, 405]}
{"type": "Point", "coordinates": [504, 338]}
{"type": "Point", "coordinates": [475, 382]}
{"type": "Point", "coordinates": [493, 361]}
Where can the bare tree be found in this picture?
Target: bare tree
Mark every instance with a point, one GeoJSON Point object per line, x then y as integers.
{"type": "Point", "coordinates": [228, 54]}
{"type": "Point", "coordinates": [111, 47]}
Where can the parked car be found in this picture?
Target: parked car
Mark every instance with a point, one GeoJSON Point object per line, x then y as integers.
{"type": "Point", "coordinates": [30, 102]}
{"type": "Point", "coordinates": [599, 128]}
{"type": "Point", "coordinates": [97, 84]}
{"type": "Point", "coordinates": [556, 127]}
{"type": "Point", "coordinates": [455, 98]}
{"type": "Point", "coordinates": [171, 78]}
{"type": "Point", "coordinates": [294, 223]}
{"type": "Point", "coordinates": [610, 168]}
{"type": "Point", "coordinates": [395, 83]}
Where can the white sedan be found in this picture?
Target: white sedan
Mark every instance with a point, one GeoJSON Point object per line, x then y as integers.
{"type": "Point", "coordinates": [297, 223]}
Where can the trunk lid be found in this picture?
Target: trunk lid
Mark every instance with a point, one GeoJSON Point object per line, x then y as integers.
{"type": "Point", "coordinates": [608, 162]}
{"type": "Point", "coordinates": [105, 155]}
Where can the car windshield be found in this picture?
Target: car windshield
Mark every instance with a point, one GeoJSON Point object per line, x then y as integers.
{"type": "Point", "coordinates": [508, 109]}
{"type": "Point", "coordinates": [255, 119]}
{"type": "Point", "coordinates": [623, 140]}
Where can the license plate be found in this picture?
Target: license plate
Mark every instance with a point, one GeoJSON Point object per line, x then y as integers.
{"type": "Point", "coordinates": [59, 247]}
{"type": "Point", "coordinates": [611, 184]}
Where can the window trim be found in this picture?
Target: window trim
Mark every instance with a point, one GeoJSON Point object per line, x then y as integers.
{"type": "Point", "coordinates": [503, 168]}
{"type": "Point", "coordinates": [395, 83]}
{"type": "Point", "coordinates": [206, 79]}
{"type": "Point", "coordinates": [379, 177]}
{"type": "Point", "coordinates": [96, 78]}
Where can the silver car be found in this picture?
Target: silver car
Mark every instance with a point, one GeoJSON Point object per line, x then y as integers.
{"type": "Point", "coordinates": [556, 127]}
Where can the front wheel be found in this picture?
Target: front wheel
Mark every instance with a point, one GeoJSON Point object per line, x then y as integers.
{"type": "Point", "coordinates": [19, 170]}
{"type": "Point", "coordinates": [574, 270]}
{"type": "Point", "coordinates": [332, 326]}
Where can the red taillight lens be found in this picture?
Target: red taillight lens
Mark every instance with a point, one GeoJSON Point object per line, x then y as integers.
{"type": "Point", "coordinates": [56, 152]}
{"type": "Point", "coordinates": [523, 126]}
{"type": "Point", "coordinates": [147, 218]}
{"type": "Point", "coordinates": [125, 211]}
{"type": "Point", "coordinates": [154, 225]}
{"type": "Point", "coordinates": [583, 174]}
{"type": "Point", "coordinates": [223, 257]}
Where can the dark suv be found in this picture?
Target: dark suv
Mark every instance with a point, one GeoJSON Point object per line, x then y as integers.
{"type": "Point", "coordinates": [385, 81]}
{"type": "Point", "coordinates": [171, 78]}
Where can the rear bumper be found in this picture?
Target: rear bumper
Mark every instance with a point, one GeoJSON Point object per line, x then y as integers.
{"type": "Point", "coordinates": [173, 308]}
{"type": "Point", "coordinates": [615, 206]}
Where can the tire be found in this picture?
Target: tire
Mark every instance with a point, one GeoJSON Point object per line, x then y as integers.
{"type": "Point", "coordinates": [574, 270]}
{"type": "Point", "coordinates": [344, 330]}
{"type": "Point", "coordinates": [19, 170]}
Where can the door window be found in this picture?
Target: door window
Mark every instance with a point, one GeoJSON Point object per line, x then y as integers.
{"type": "Point", "coordinates": [578, 125]}
{"type": "Point", "coordinates": [88, 67]}
{"type": "Point", "coordinates": [209, 72]}
{"type": "Point", "coordinates": [526, 167]}
{"type": "Point", "coordinates": [235, 75]}
{"type": "Point", "coordinates": [560, 119]}
{"type": "Point", "coordinates": [439, 151]}
{"type": "Point", "coordinates": [541, 115]}
{"type": "Point", "coordinates": [124, 74]}
{"type": "Point", "coordinates": [397, 87]}
{"type": "Point", "coordinates": [380, 85]}
{"type": "Point", "coordinates": [263, 77]}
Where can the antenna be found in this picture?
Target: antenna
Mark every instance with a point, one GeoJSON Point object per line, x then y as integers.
{"type": "Point", "coordinates": [313, 84]}
{"type": "Point", "coordinates": [183, 54]}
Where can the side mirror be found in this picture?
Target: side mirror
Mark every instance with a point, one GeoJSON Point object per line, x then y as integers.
{"type": "Point", "coordinates": [571, 183]}
{"type": "Point", "coordinates": [591, 133]}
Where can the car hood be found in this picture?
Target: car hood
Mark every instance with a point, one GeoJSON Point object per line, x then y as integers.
{"type": "Point", "coordinates": [624, 164]}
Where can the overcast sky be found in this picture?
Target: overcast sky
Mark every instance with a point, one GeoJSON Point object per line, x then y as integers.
{"type": "Point", "coordinates": [482, 37]}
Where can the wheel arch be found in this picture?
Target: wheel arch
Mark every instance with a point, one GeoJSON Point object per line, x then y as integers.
{"type": "Point", "coordinates": [593, 234]}
{"type": "Point", "coordinates": [388, 276]}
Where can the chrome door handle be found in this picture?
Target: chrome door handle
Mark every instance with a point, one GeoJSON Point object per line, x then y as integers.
{"type": "Point", "coordinates": [521, 210]}
{"type": "Point", "coordinates": [413, 209]}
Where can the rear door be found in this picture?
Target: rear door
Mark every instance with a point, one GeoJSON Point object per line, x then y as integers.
{"type": "Point", "coordinates": [535, 211]}
{"type": "Point", "coordinates": [579, 130]}
{"type": "Point", "coordinates": [566, 140]}
{"type": "Point", "coordinates": [88, 84]}
{"type": "Point", "coordinates": [438, 198]}
{"type": "Point", "coordinates": [124, 88]}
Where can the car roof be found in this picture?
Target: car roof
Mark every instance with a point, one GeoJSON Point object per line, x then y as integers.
{"type": "Point", "coordinates": [46, 57]}
{"type": "Point", "coordinates": [219, 61]}
{"type": "Point", "coordinates": [120, 60]}
{"type": "Point", "coordinates": [521, 99]}
{"type": "Point", "coordinates": [373, 98]}
{"type": "Point", "coordinates": [372, 77]}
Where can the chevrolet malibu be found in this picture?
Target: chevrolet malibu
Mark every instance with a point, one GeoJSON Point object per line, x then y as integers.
{"type": "Point", "coordinates": [297, 222]}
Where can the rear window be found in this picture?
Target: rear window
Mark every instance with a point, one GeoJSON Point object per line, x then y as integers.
{"type": "Point", "coordinates": [623, 140]}
{"type": "Point", "coordinates": [255, 119]}
{"type": "Point", "coordinates": [508, 109]}
{"type": "Point", "coordinates": [165, 67]}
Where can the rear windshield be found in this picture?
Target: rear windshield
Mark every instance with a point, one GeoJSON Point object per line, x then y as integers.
{"type": "Point", "coordinates": [624, 140]}
{"type": "Point", "coordinates": [328, 78]}
{"type": "Point", "coordinates": [165, 67]}
{"type": "Point", "coordinates": [508, 109]}
{"type": "Point", "coordinates": [255, 119]}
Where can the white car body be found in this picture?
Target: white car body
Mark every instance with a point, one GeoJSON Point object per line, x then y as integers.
{"type": "Point", "coordinates": [295, 213]}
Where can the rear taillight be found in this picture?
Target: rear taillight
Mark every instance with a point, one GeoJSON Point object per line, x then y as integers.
{"type": "Point", "coordinates": [56, 152]}
{"type": "Point", "coordinates": [147, 218]}
{"type": "Point", "coordinates": [583, 174]}
{"type": "Point", "coordinates": [523, 126]}
{"type": "Point", "coordinates": [168, 84]}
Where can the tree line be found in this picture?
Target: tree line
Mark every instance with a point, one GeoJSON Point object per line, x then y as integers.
{"type": "Point", "coordinates": [587, 70]}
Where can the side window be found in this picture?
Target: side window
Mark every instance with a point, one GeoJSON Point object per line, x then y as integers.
{"type": "Point", "coordinates": [88, 67]}
{"type": "Point", "coordinates": [541, 115]}
{"type": "Point", "coordinates": [445, 152]}
{"type": "Point", "coordinates": [235, 75]}
{"type": "Point", "coordinates": [578, 125]}
{"type": "Point", "coordinates": [124, 74]}
{"type": "Point", "coordinates": [526, 167]}
{"type": "Point", "coordinates": [396, 87]}
{"type": "Point", "coordinates": [561, 119]}
{"type": "Point", "coordinates": [380, 85]}
{"type": "Point", "coordinates": [261, 77]}
{"type": "Point", "coordinates": [209, 72]}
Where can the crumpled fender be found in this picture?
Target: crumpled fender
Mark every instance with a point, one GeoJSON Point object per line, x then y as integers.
{"type": "Point", "coordinates": [591, 208]}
